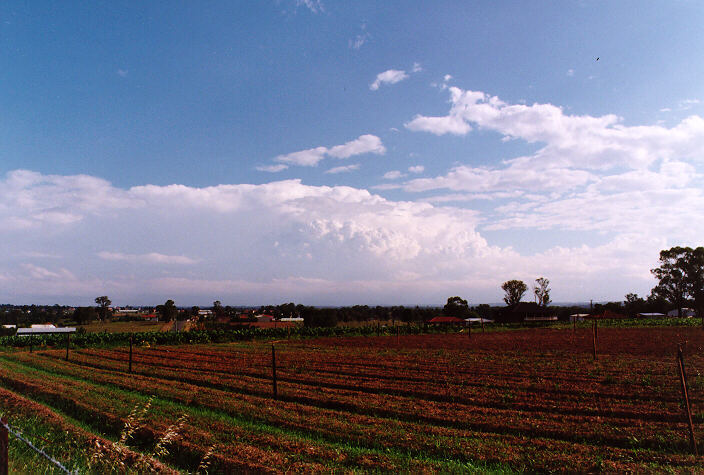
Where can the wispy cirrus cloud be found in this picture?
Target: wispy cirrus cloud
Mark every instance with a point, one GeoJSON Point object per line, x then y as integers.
{"type": "Point", "coordinates": [315, 6]}
{"type": "Point", "coordinates": [343, 169]}
{"type": "Point", "coordinates": [150, 257]}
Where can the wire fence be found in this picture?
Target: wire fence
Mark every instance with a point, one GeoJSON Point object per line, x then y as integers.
{"type": "Point", "coordinates": [4, 456]}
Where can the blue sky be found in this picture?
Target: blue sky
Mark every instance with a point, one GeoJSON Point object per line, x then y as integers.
{"type": "Point", "coordinates": [345, 152]}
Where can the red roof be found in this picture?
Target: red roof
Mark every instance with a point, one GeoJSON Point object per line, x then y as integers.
{"type": "Point", "coordinates": [446, 320]}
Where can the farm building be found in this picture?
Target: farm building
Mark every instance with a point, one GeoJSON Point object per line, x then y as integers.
{"type": "Point", "coordinates": [525, 312]}
{"type": "Point", "coordinates": [651, 315]}
{"type": "Point", "coordinates": [443, 320]}
{"type": "Point", "coordinates": [578, 317]}
{"type": "Point", "coordinates": [152, 317]}
{"type": "Point", "coordinates": [686, 312]}
{"type": "Point", "coordinates": [44, 330]}
{"type": "Point", "coordinates": [265, 318]}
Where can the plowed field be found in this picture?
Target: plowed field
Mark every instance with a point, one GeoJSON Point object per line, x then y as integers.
{"type": "Point", "coordinates": [531, 400]}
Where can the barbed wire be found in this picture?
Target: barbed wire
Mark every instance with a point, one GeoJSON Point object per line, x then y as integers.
{"type": "Point", "coordinates": [41, 452]}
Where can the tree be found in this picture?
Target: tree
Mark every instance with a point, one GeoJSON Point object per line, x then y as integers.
{"type": "Point", "coordinates": [671, 275]}
{"type": "Point", "coordinates": [541, 290]}
{"type": "Point", "coordinates": [633, 304]}
{"type": "Point", "coordinates": [456, 307]}
{"type": "Point", "coordinates": [103, 303]}
{"type": "Point", "coordinates": [218, 311]}
{"type": "Point", "coordinates": [83, 315]}
{"type": "Point", "coordinates": [514, 291]}
{"type": "Point", "coordinates": [167, 311]}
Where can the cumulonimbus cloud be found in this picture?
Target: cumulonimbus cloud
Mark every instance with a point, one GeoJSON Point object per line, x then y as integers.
{"type": "Point", "coordinates": [276, 242]}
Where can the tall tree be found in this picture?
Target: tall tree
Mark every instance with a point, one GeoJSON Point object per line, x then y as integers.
{"type": "Point", "coordinates": [672, 278]}
{"type": "Point", "coordinates": [633, 304]}
{"type": "Point", "coordinates": [167, 311]}
{"type": "Point", "coordinates": [694, 276]}
{"type": "Point", "coordinates": [541, 290]}
{"type": "Point", "coordinates": [514, 290]}
{"type": "Point", "coordinates": [456, 307]}
{"type": "Point", "coordinates": [103, 303]}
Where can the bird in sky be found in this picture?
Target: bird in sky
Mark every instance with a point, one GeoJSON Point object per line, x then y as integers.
{"type": "Point", "coordinates": [597, 58]}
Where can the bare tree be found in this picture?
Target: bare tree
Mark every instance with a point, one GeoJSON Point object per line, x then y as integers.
{"type": "Point", "coordinates": [541, 290]}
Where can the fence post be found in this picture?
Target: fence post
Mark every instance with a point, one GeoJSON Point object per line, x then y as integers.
{"type": "Point", "coordinates": [469, 330]}
{"type": "Point", "coordinates": [130, 368]}
{"type": "Point", "coordinates": [482, 320]}
{"type": "Point", "coordinates": [68, 343]}
{"type": "Point", "coordinates": [594, 338]}
{"type": "Point", "coordinates": [273, 370]}
{"type": "Point", "coordinates": [685, 397]}
{"type": "Point", "coordinates": [4, 448]}
{"type": "Point", "coordinates": [398, 330]}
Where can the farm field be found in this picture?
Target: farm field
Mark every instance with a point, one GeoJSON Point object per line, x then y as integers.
{"type": "Point", "coordinates": [524, 400]}
{"type": "Point", "coordinates": [119, 327]}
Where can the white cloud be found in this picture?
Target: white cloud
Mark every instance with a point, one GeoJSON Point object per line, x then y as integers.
{"type": "Point", "coordinates": [343, 169]}
{"type": "Point", "coordinates": [416, 169]}
{"type": "Point", "coordinates": [314, 6]}
{"type": "Point", "coordinates": [580, 141]}
{"type": "Point", "coordinates": [272, 168]}
{"type": "Point", "coordinates": [570, 72]}
{"type": "Point", "coordinates": [416, 68]}
{"type": "Point", "coordinates": [363, 144]}
{"type": "Point", "coordinates": [311, 157]}
{"type": "Point", "coordinates": [306, 158]}
{"type": "Point", "coordinates": [391, 76]}
{"type": "Point", "coordinates": [393, 175]}
{"type": "Point", "coordinates": [122, 72]}
{"type": "Point", "coordinates": [251, 244]}
{"type": "Point", "coordinates": [151, 257]}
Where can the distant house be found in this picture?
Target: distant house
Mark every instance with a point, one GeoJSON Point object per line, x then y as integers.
{"type": "Point", "coordinates": [686, 312]}
{"type": "Point", "coordinates": [265, 318]}
{"type": "Point", "coordinates": [443, 320]}
{"type": "Point", "coordinates": [205, 313]}
{"type": "Point", "coordinates": [525, 312]}
{"type": "Point", "coordinates": [152, 317]}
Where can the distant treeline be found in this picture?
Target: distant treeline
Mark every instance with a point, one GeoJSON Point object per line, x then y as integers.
{"type": "Point", "coordinates": [25, 315]}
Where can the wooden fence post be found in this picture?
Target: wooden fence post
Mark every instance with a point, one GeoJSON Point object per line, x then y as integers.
{"type": "Point", "coordinates": [130, 368]}
{"type": "Point", "coordinates": [594, 338]}
{"type": "Point", "coordinates": [482, 320]}
{"type": "Point", "coordinates": [398, 330]}
{"type": "Point", "coordinates": [273, 370]}
{"type": "Point", "coordinates": [469, 329]}
{"type": "Point", "coordinates": [596, 330]}
{"type": "Point", "coordinates": [685, 397]}
{"type": "Point", "coordinates": [4, 448]}
{"type": "Point", "coordinates": [68, 343]}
